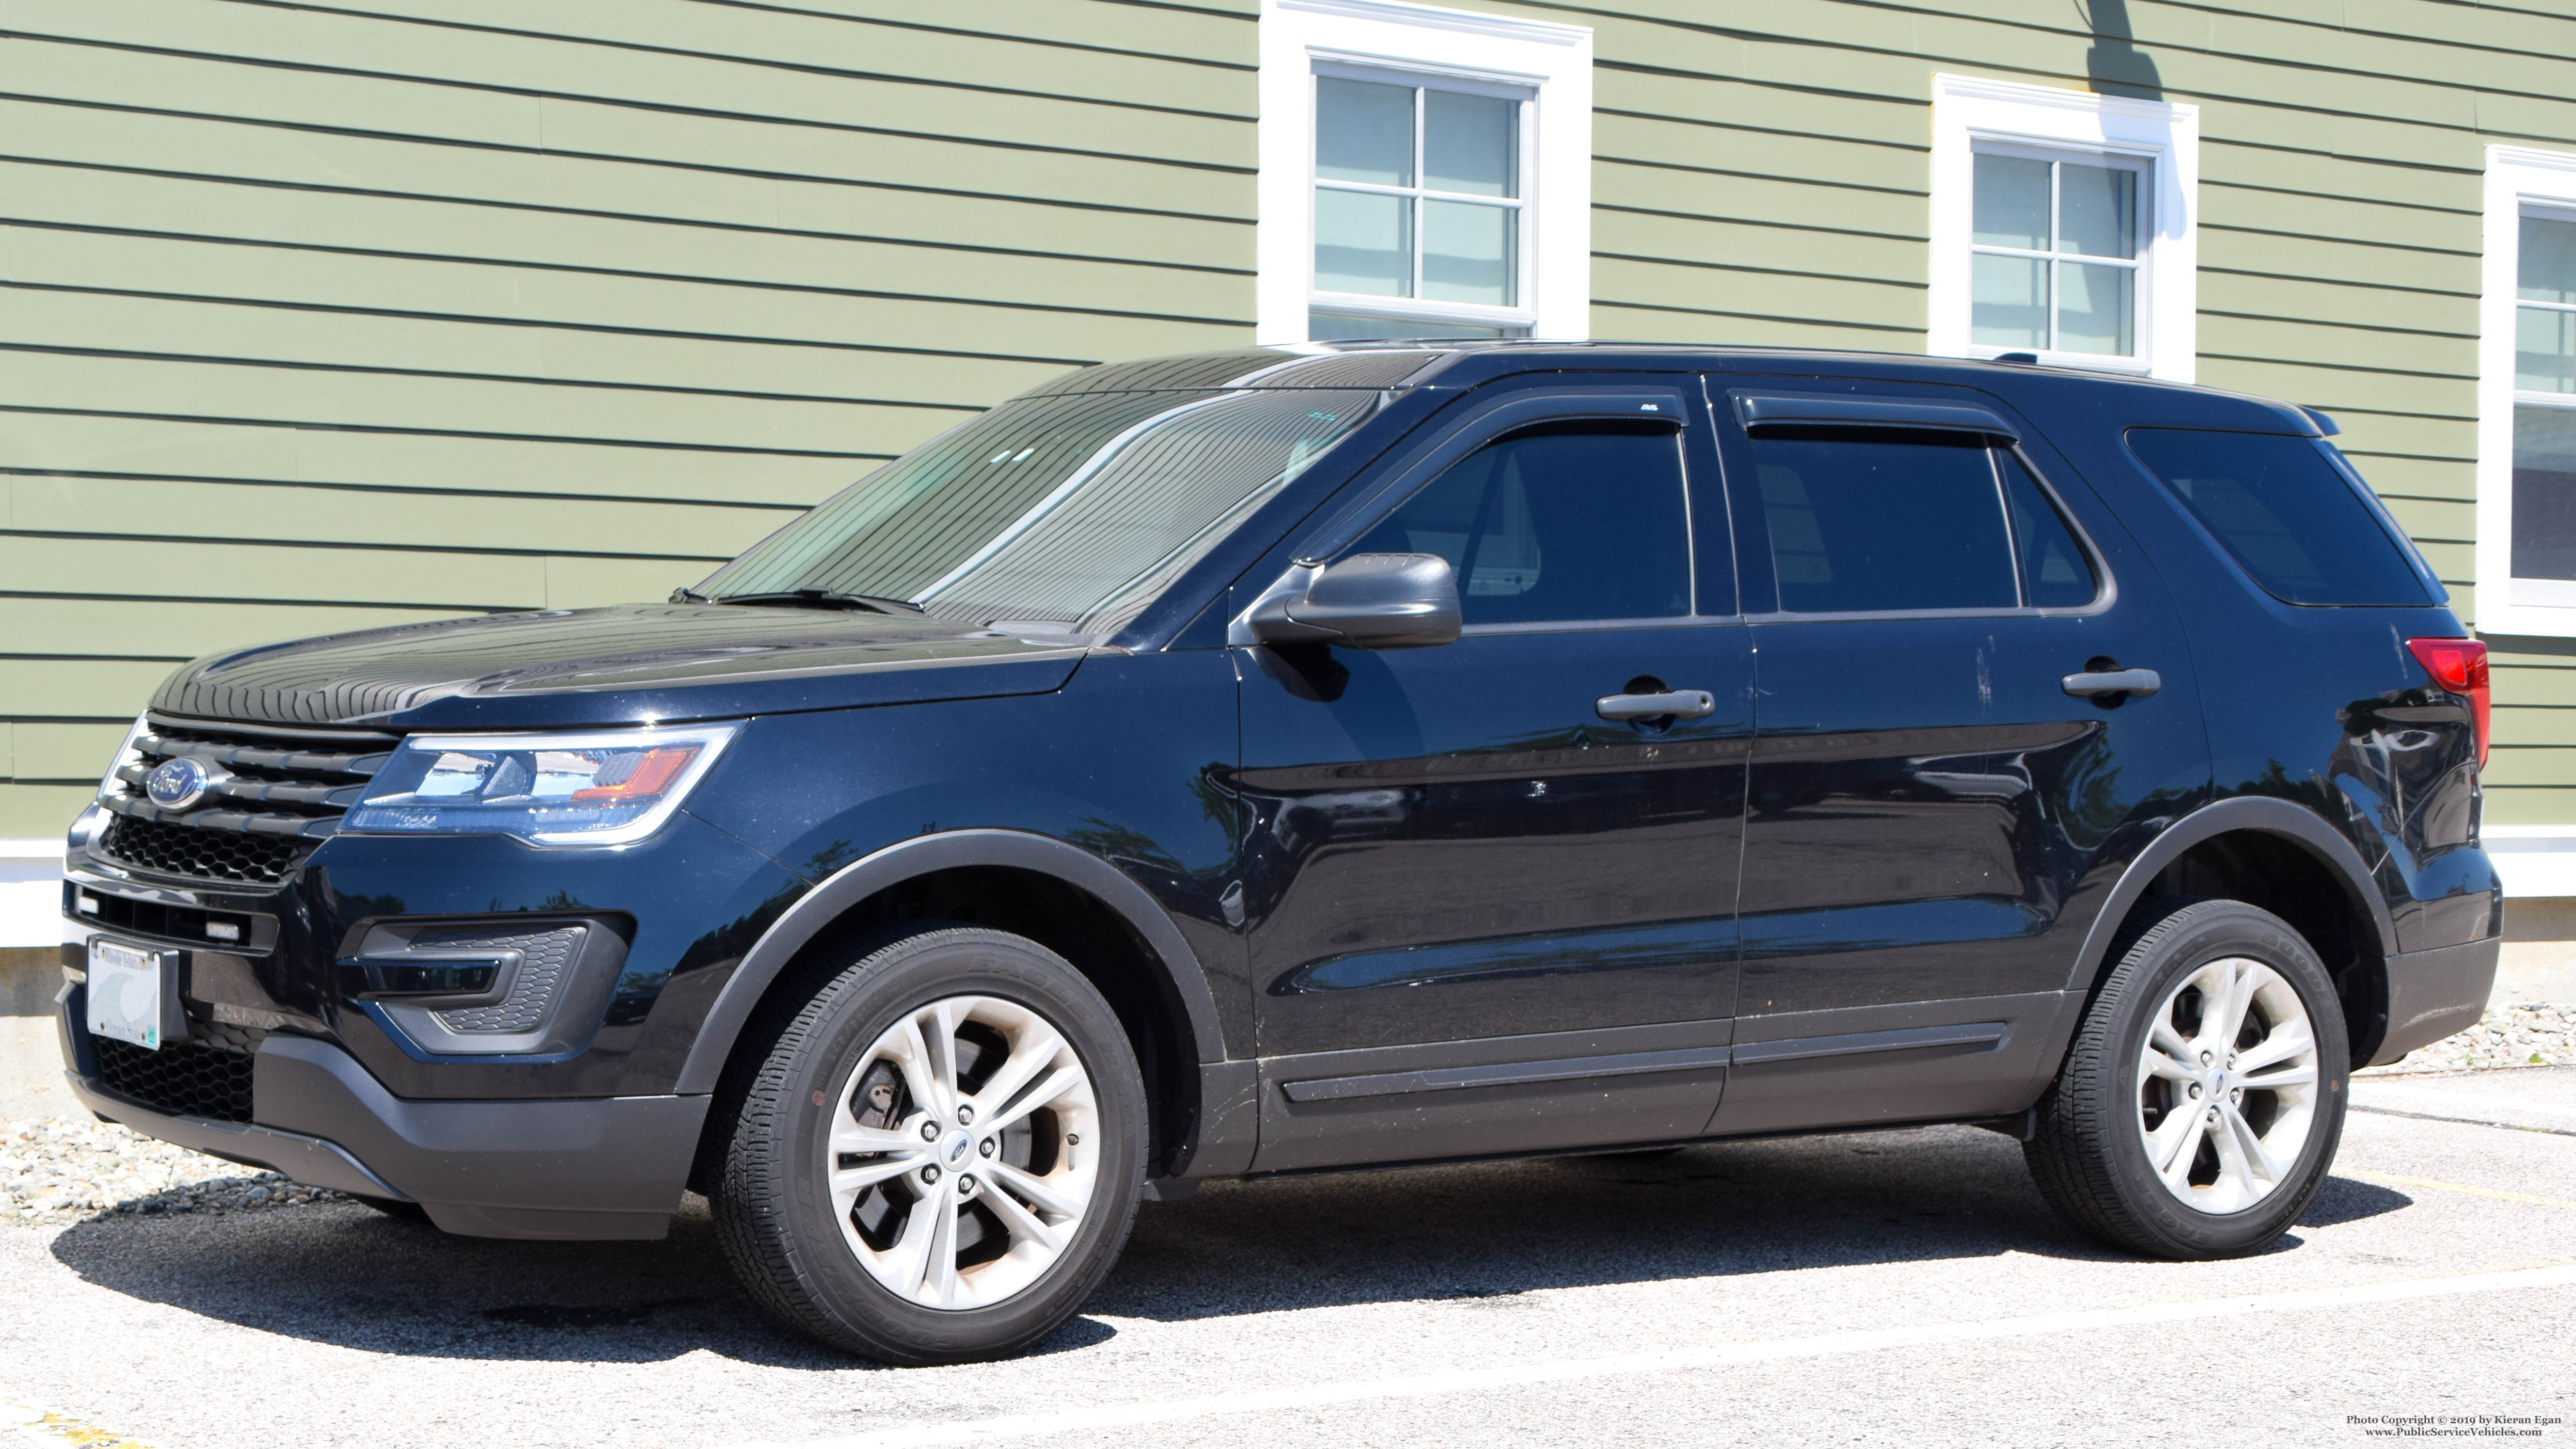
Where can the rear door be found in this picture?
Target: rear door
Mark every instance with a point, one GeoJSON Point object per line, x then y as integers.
{"type": "Point", "coordinates": [1926, 795]}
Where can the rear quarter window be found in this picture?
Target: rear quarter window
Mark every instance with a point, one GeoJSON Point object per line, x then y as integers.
{"type": "Point", "coordinates": [2297, 521]}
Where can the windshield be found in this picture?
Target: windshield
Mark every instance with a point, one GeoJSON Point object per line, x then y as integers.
{"type": "Point", "coordinates": [1069, 509]}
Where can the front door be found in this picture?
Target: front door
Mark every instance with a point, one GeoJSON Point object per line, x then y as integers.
{"type": "Point", "coordinates": [1926, 796]}
{"type": "Point", "coordinates": [1482, 917]}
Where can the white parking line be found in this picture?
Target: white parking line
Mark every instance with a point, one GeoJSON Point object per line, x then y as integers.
{"type": "Point", "coordinates": [2465, 1121]}
{"type": "Point", "coordinates": [1455, 1381]}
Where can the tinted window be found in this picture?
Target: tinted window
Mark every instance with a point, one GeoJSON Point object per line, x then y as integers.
{"type": "Point", "coordinates": [2055, 573]}
{"type": "Point", "coordinates": [2296, 522]}
{"type": "Point", "coordinates": [1865, 520]}
{"type": "Point", "coordinates": [1570, 521]}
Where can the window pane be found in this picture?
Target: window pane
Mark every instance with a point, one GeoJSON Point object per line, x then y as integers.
{"type": "Point", "coordinates": [2094, 307]}
{"type": "Point", "coordinates": [2286, 512]}
{"type": "Point", "coordinates": [2012, 202]}
{"type": "Point", "coordinates": [1571, 521]}
{"type": "Point", "coordinates": [1322, 326]}
{"type": "Point", "coordinates": [1469, 143]}
{"type": "Point", "coordinates": [2544, 493]}
{"type": "Point", "coordinates": [2055, 574]}
{"type": "Point", "coordinates": [1467, 252]}
{"type": "Point", "coordinates": [1363, 132]}
{"type": "Point", "coordinates": [2548, 263]}
{"type": "Point", "coordinates": [1864, 520]}
{"type": "Point", "coordinates": [2544, 350]}
{"type": "Point", "coordinates": [2009, 303]}
{"type": "Point", "coordinates": [1363, 243]}
{"type": "Point", "coordinates": [2097, 210]}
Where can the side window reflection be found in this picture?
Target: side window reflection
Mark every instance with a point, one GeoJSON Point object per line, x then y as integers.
{"type": "Point", "coordinates": [1562, 523]}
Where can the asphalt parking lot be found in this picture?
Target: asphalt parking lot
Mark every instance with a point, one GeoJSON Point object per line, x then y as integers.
{"type": "Point", "coordinates": [1904, 1287]}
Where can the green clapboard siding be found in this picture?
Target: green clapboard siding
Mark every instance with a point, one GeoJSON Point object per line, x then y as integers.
{"type": "Point", "coordinates": [327, 318]}
{"type": "Point", "coordinates": [320, 318]}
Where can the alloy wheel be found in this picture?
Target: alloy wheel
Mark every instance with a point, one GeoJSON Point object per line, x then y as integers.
{"type": "Point", "coordinates": [963, 1152]}
{"type": "Point", "coordinates": [2227, 1085]}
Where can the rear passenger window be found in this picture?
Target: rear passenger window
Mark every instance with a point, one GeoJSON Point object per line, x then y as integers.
{"type": "Point", "coordinates": [2288, 514]}
{"type": "Point", "coordinates": [1872, 520]}
{"type": "Point", "coordinates": [2055, 572]}
{"type": "Point", "coordinates": [1561, 523]}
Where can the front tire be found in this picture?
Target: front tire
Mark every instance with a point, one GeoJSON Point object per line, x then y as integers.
{"type": "Point", "coordinates": [940, 1155]}
{"type": "Point", "coordinates": [2200, 1107]}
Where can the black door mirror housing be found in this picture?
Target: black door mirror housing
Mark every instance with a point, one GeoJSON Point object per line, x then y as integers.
{"type": "Point", "coordinates": [1366, 601]}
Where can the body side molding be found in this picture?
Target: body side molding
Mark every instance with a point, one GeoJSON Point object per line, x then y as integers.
{"type": "Point", "coordinates": [922, 855]}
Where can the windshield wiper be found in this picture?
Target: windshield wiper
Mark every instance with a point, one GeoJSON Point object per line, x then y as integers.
{"type": "Point", "coordinates": [803, 599]}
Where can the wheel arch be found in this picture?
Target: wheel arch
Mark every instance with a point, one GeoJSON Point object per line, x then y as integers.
{"type": "Point", "coordinates": [1179, 1022]}
{"type": "Point", "coordinates": [2280, 857]}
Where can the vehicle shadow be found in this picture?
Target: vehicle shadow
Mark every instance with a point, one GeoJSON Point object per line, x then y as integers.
{"type": "Point", "coordinates": [343, 1274]}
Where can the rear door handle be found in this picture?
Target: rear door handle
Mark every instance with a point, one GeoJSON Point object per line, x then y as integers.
{"type": "Point", "coordinates": [2112, 681]}
{"type": "Point", "coordinates": [1677, 703]}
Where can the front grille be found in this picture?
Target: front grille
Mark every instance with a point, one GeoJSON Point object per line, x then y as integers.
{"type": "Point", "coordinates": [167, 849]}
{"type": "Point", "coordinates": [183, 1078]}
{"type": "Point", "coordinates": [274, 795]}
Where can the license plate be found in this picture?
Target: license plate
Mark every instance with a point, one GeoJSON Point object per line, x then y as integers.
{"type": "Point", "coordinates": [125, 993]}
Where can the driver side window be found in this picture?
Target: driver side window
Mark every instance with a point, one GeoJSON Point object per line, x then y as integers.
{"type": "Point", "coordinates": [1555, 524]}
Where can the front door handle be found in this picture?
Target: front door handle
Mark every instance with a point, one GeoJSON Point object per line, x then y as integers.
{"type": "Point", "coordinates": [2096, 684]}
{"type": "Point", "coordinates": [1673, 703]}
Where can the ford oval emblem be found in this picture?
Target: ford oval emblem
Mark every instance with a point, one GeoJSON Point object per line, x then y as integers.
{"type": "Point", "coordinates": [176, 784]}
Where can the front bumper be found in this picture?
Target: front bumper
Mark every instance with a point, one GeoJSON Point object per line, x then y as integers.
{"type": "Point", "coordinates": [608, 1167]}
{"type": "Point", "coordinates": [2434, 994]}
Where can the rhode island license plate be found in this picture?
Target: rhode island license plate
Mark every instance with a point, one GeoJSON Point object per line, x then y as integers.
{"type": "Point", "coordinates": [125, 993]}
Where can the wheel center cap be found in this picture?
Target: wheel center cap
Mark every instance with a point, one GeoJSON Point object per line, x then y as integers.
{"type": "Point", "coordinates": [957, 1148]}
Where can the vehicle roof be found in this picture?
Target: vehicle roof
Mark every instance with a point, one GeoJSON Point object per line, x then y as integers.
{"type": "Point", "coordinates": [1447, 364]}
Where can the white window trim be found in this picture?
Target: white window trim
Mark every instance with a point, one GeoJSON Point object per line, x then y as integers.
{"type": "Point", "coordinates": [2516, 177]}
{"type": "Point", "coordinates": [1550, 63]}
{"type": "Point", "coordinates": [1970, 109]}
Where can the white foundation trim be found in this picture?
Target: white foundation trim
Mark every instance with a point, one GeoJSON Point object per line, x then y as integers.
{"type": "Point", "coordinates": [31, 893]}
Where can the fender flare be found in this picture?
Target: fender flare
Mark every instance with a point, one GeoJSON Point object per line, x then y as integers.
{"type": "Point", "coordinates": [2261, 813]}
{"type": "Point", "coordinates": [922, 855]}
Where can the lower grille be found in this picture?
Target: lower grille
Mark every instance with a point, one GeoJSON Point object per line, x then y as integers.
{"type": "Point", "coordinates": [185, 1078]}
{"type": "Point", "coordinates": [544, 955]}
{"type": "Point", "coordinates": [167, 849]}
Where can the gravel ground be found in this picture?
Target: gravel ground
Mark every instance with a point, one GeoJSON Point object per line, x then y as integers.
{"type": "Point", "coordinates": [2508, 1036]}
{"type": "Point", "coordinates": [56, 1170]}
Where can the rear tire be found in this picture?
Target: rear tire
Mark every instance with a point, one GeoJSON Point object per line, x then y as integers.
{"type": "Point", "coordinates": [2200, 1107]}
{"type": "Point", "coordinates": [939, 1156]}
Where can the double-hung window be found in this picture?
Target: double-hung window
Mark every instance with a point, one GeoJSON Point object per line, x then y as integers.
{"type": "Point", "coordinates": [1418, 199]}
{"type": "Point", "coordinates": [2056, 245]}
{"type": "Point", "coordinates": [1425, 172]}
{"type": "Point", "coordinates": [2526, 534]}
{"type": "Point", "coordinates": [2064, 227]}
{"type": "Point", "coordinates": [2544, 408]}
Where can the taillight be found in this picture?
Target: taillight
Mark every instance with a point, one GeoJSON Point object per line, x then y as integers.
{"type": "Point", "coordinates": [2460, 666]}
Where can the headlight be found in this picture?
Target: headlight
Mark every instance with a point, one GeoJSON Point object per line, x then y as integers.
{"type": "Point", "coordinates": [551, 789]}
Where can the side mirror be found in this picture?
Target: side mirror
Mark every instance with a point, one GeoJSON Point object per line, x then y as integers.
{"type": "Point", "coordinates": [1366, 601]}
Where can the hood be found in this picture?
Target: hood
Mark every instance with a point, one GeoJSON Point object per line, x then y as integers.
{"type": "Point", "coordinates": [588, 667]}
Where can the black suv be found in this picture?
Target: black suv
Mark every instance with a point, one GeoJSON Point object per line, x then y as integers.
{"type": "Point", "coordinates": [1286, 759]}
